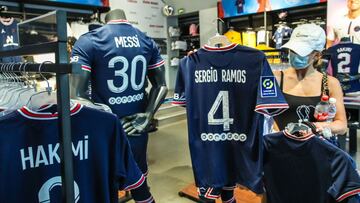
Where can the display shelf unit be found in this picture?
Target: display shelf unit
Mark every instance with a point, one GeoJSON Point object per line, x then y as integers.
{"type": "Point", "coordinates": [185, 22]}
{"type": "Point", "coordinates": [257, 20]}
{"type": "Point", "coordinates": [170, 73]}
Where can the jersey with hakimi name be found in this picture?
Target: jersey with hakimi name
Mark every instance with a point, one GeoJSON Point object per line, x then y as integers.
{"type": "Point", "coordinates": [345, 62]}
{"type": "Point", "coordinates": [222, 89]}
{"type": "Point", "coordinates": [30, 157]}
{"type": "Point", "coordinates": [119, 57]}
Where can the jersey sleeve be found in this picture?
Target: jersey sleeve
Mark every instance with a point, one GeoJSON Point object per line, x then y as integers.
{"type": "Point", "coordinates": [83, 53]}
{"type": "Point", "coordinates": [156, 60]}
{"type": "Point", "coordinates": [179, 93]}
{"type": "Point", "coordinates": [346, 180]}
{"type": "Point", "coordinates": [128, 174]}
{"type": "Point", "coordinates": [270, 100]}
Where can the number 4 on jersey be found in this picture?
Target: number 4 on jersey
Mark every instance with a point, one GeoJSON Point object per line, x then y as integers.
{"type": "Point", "coordinates": [226, 121]}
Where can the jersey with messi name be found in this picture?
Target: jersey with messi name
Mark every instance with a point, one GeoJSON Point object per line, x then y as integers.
{"type": "Point", "coordinates": [222, 89]}
{"type": "Point", "coordinates": [119, 57]}
{"type": "Point", "coordinates": [9, 40]}
{"type": "Point", "coordinates": [30, 157]}
{"type": "Point", "coordinates": [345, 62]}
{"type": "Point", "coordinates": [308, 169]}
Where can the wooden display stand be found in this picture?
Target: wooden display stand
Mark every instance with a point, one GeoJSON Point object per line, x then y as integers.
{"type": "Point", "coordinates": [242, 195]}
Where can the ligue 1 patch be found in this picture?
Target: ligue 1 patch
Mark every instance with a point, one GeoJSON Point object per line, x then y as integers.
{"type": "Point", "coordinates": [268, 87]}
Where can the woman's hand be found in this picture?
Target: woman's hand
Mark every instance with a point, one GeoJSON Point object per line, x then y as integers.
{"type": "Point", "coordinates": [320, 126]}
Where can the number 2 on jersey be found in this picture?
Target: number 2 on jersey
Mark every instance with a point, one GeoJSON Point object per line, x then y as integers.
{"type": "Point", "coordinates": [226, 121]}
{"type": "Point", "coordinates": [345, 61]}
{"type": "Point", "coordinates": [124, 75]}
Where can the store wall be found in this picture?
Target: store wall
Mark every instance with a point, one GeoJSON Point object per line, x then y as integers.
{"type": "Point", "coordinates": [192, 5]}
{"type": "Point", "coordinates": [208, 23]}
{"type": "Point", "coordinates": [146, 15]}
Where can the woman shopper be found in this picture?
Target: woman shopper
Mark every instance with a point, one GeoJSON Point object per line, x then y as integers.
{"type": "Point", "coordinates": [302, 84]}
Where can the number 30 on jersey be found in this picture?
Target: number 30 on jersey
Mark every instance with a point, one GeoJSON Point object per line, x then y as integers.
{"type": "Point", "coordinates": [122, 73]}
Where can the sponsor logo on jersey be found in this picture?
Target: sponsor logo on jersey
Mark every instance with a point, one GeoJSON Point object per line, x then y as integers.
{"type": "Point", "coordinates": [179, 97]}
{"type": "Point", "coordinates": [217, 137]}
{"type": "Point", "coordinates": [126, 99]}
{"type": "Point", "coordinates": [74, 59]}
{"type": "Point", "coordinates": [268, 88]}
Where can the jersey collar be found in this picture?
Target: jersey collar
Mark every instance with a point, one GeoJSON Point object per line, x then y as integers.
{"type": "Point", "coordinates": [26, 112]}
{"type": "Point", "coordinates": [225, 48]}
{"type": "Point", "coordinates": [303, 138]}
{"type": "Point", "coordinates": [120, 21]}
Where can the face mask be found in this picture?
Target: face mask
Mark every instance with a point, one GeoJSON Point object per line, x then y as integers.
{"type": "Point", "coordinates": [299, 62]}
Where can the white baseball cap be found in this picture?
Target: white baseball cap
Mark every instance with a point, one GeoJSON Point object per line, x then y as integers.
{"type": "Point", "coordinates": [306, 38]}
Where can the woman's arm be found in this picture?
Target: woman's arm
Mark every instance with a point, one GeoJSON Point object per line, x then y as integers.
{"type": "Point", "coordinates": [339, 125]}
{"type": "Point", "coordinates": [277, 75]}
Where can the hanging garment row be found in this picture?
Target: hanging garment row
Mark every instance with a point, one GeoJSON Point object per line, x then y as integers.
{"type": "Point", "coordinates": [29, 145]}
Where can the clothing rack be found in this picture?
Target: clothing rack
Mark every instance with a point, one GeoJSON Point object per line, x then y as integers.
{"type": "Point", "coordinates": [61, 69]}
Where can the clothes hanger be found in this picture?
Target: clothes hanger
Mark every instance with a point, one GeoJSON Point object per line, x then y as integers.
{"type": "Point", "coordinates": [302, 126]}
{"type": "Point", "coordinates": [3, 79]}
{"type": "Point", "coordinates": [10, 104]}
{"type": "Point", "coordinates": [15, 95]}
{"type": "Point", "coordinates": [44, 97]}
{"type": "Point", "coordinates": [29, 89]}
{"type": "Point", "coordinates": [218, 40]}
{"type": "Point", "coordinates": [5, 82]}
{"type": "Point", "coordinates": [11, 88]}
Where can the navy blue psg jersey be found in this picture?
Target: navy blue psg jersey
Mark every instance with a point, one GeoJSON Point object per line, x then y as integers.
{"type": "Point", "coordinates": [9, 40]}
{"type": "Point", "coordinates": [222, 88]}
{"type": "Point", "coordinates": [345, 62]}
{"type": "Point", "coordinates": [119, 57]}
{"type": "Point", "coordinates": [307, 169]}
{"type": "Point", "coordinates": [30, 157]}
{"type": "Point", "coordinates": [281, 36]}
